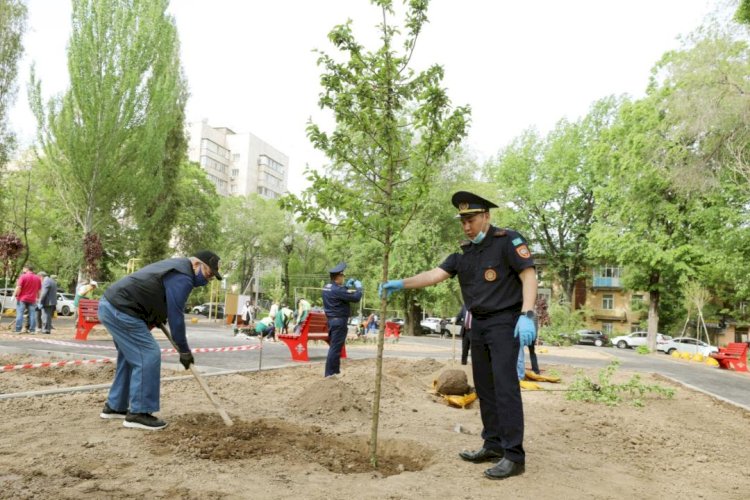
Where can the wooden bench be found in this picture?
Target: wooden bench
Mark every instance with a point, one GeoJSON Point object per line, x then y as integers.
{"type": "Point", "coordinates": [315, 327]}
{"type": "Point", "coordinates": [88, 317]}
{"type": "Point", "coordinates": [732, 356]}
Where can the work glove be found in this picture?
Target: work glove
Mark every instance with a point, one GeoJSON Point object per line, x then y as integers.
{"type": "Point", "coordinates": [357, 284]}
{"type": "Point", "coordinates": [526, 330]}
{"type": "Point", "coordinates": [349, 283]}
{"type": "Point", "coordinates": [389, 287]}
{"type": "Point", "coordinates": [186, 358]}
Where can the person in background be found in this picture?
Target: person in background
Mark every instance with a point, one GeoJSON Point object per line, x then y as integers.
{"type": "Point", "coordinates": [247, 313]}
{"type": "Point", "coordinates": [336, 299]}
{"type": "Point", "coordinates": [265, 329]}
{"type": "Point", "coordinates": [283, 318]}
{"type": "Point", "coordinates": [149, 297]}
{"type": "Point", "coordinates": [47, 302]}
{"type": "Point", "coordinates": [27, 295]}
{"type": "Point", "coordinates": [84, 291]}
{"type": "Point", "coordinates": [464, 319]}
{"type": "Point", "coordinates": [303, 309]}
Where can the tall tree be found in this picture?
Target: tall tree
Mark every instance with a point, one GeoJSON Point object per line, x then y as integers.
{"type": "Point", "coordinates": [393, 129]}
{"type": "Point", "coordinates": [12, 26]}
{"type": "Point", "coordinates": [550, 181]}
{"type": "Point", "coordinates": [643, 220]}
{"type": "Point", "coordinates": [110, 128]}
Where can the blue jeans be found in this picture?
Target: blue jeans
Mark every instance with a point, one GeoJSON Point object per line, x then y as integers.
{"type": "Point", "coordinates": [138, 373]}
{"type": "Point", "coordinates": [20, 308]}
{"type": "Point", "coordinates": [337, 331]}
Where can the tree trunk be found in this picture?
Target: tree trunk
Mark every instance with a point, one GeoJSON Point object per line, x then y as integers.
{"type": "Point", "coordinates": [653, 311]}
{"type": "Point", "coordinates": [379, 362]}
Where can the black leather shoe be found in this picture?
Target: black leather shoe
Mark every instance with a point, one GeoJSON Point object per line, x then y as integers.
{"type": "Point", "coordinates": [481, 455]}
{"type": "Point", "coordinates": [505, 468]}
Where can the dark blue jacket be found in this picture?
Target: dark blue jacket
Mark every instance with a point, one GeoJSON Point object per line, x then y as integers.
{"type": "Point", "coordinates": [336, 300]}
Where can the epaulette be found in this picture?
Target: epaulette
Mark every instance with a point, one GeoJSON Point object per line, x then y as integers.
{"type": "Point", "coordinates": [465, 243]}
{"type": "Point", "coordinates": [499, 233]}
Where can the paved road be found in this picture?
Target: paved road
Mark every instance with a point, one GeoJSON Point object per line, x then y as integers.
{"type": "Point", "coordinates": [726, 385]}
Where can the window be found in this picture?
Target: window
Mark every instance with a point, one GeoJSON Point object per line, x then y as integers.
{"type": "Point", "coordinates": [269, 162]}
{"type": "Point", "coordinates": [608, 271]}
{"type": "Point", "coordinates": [608, 301]}
{"type": "Point", "coordinates": [211, 146]}
{"type": "Point", "coordinates": [607, 328]}
{"type": "Point", "coordinates": [636, 301]}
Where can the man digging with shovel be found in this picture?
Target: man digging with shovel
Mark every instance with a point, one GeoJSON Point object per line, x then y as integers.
{"type": "Point", "coordinates": [148, 297]}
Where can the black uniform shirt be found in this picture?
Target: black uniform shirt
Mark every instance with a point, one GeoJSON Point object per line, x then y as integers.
{"type": "Point", "coordinates": [488, 272]}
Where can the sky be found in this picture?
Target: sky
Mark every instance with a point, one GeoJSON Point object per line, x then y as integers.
{"type": "Point", "coordinates": [250, 64]}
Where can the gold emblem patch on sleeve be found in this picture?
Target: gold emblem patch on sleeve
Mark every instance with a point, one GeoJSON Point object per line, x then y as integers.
{"type": "Point", "coordinates": [490, 275]}
{"type": "Point", "coordinates": [523, 251]}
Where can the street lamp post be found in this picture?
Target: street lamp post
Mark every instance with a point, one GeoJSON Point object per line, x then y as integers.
{"type": "Point", "coordinates": [288, 243]}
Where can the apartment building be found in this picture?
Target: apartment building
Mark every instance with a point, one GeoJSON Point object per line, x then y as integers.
{"type": "Point", "coordinates": [614, 309]}
{"type": "Point", "coordinates": [238, 163]}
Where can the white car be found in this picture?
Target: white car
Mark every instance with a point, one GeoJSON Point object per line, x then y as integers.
{"type": "Point", "coordinates": [636, 339]}
{"type": "Point", "coordinates": [65, 304]}
{"type": "Point", "coordinates": [7, 300]}
{"type": "Point", "coordinates": [687, 344]}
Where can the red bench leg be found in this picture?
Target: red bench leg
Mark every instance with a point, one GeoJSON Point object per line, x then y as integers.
{"type": "Point", "coordinates": [297, 348]}
{"type": "Point", "coordinates": [738, 364]}
{"type": "Point", "coordinates": [82, 331]}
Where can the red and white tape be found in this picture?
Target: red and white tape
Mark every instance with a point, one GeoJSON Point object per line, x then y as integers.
{"type": "Point", "coordinates": [59, 364]}
{"type": "Point", "coordinates": [217, 349]}
{"type": "Point", "coordinates": [55, 364]}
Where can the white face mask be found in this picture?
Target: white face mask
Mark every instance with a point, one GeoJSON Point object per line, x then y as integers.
{"type": "Point", "coordinates": [479, 237]}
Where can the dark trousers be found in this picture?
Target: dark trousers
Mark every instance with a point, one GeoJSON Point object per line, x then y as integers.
{"type": "Point", "coordinates": [46, 320]}
{"type": "Point", "coordinates": [465, 344]}
{"type": "Point", "coordinates": [337, 331]}
{"type": "Point", "coordinates": [494, 353]}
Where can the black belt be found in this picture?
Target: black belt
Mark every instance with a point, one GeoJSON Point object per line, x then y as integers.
{"type": "Point", "coordinates": [489, 314]}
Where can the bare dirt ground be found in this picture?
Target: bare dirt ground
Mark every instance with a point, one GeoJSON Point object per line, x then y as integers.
{"type": "Point", "coordinates": [297, 435]}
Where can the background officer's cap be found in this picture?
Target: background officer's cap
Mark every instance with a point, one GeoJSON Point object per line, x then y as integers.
{"type": "Point", "coordinates": [469, 204]}
{"type": "Point", "coordinates": [338, 269]}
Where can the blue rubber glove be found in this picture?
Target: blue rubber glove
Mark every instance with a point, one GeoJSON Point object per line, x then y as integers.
{"type": "Point", "coordinates": [526, 330]}
{"type": "Point", "coordinates": [389, 287]}
{"type": "Point", "coordinates": [521, 365]}
{"type": "Point", "coordinates": [357, 284]}
{"type": "Point", "coordinates": [349, 283]}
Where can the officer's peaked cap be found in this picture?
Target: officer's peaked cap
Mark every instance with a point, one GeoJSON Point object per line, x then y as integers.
{"type": "Point", "coordinates": [338, 269]}
{"type": "Point", "coordinates": [469, 204]}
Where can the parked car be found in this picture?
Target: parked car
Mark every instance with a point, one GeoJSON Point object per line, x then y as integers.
{"type": "Point", "coordinates": [687, 344]}
{"type": "Point", "coordinates": [355, 320]}
{"type": "Point", "coordinates": [216, 309]}
{"type": "Point", "coordinates": [592, 337]}
{"type": "Point", "coordinates": [400, 321]}
{"type": "Point", "coordinates": [442, 327]}
{"type": "Point", "coordinates": [7, 301]}
{"type": "Point", "coordinates": [65, 304]}
{"type": "Point", "coordinates": [636, 339]}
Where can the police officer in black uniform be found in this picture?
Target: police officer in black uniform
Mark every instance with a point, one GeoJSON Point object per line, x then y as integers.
{"type": "Point", "coordinates": [336, 298]}
{"type": "Point", "coordinates": [499, 286]}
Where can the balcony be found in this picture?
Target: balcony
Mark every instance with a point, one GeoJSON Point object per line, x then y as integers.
{"type": "Point", "coordinates": [610, 314]}
{"type": "Point", "coordinates": [606, 282]}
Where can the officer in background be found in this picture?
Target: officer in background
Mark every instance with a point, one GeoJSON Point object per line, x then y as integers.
{"type": "Point", "coordinates": [336, 298]}
{"type": "Point", "coordinates": [498, 283]}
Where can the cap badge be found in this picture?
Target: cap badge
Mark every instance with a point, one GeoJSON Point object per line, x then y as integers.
{"type": "Point", "coordinates": [463, 206]}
